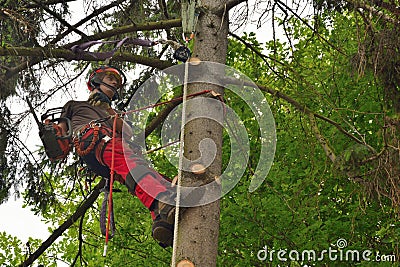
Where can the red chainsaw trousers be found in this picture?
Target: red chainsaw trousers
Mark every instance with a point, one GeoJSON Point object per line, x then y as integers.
{"type": "Point", "coordinates": [126, 160]}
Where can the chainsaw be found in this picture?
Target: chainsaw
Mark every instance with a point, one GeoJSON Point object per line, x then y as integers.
{"type": "Point", "coordinates": [56, 145]}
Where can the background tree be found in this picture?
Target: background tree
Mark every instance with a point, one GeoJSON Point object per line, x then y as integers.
{"type": "Point", "coordinates": [331, 77]}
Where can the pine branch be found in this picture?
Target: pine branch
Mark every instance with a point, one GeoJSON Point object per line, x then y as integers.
{"type": "Point", "coordinates": [59, 18]}
{"type": "Point", "coordinates": [38, 54]}
{"type": "Point", "coordinates": [84, 20]}
{"type": "Point", "coordinates": [232, 3]}
{"type": "Point", "coordinates": [148, 26]}
{"type": "Point", "coordinates": [47, 3]}
{"type": "Point", "coordinates": [321, 139]}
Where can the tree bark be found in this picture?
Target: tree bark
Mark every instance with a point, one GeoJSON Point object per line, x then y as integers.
{"type": "Point", "coordinates": [199, 226]}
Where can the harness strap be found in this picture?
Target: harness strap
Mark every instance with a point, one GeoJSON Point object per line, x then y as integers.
{"type": "Point", "coordinates": [100, 149]}
{"type": "Point", "coordinates": [140, 172]}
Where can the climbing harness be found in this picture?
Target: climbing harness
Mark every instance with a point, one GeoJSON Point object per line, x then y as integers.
{"type": "Point", "coordinates": [84, 152]}
{"type": "Point", "coordinates": [99, 135]}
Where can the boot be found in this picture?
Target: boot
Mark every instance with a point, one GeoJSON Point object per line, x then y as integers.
{"type": "Point", "coordinates": [164, 219]}
{"type": "Point", "coordinates": [163, 233]}
{"type": "Point", "coordinates": [163, 211]}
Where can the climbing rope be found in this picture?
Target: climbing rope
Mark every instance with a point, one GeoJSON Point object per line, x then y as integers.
{"type": "Point", "coordinates": [181, 150]}
{"type": "Point", "coordinates": [189, 21]}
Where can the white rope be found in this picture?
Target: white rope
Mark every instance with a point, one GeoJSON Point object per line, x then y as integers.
{"type": "Point", "coordinates": [181, 150]}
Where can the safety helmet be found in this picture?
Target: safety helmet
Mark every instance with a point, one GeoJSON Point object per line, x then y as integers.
{"type": "Point", "coordinates": [97, 75]}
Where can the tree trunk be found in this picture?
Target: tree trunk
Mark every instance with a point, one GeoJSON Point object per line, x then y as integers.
{"type": "Point", "coordinates": [199, 226]}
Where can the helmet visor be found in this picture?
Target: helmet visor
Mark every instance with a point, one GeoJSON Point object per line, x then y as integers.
{"type": "Point", "coordinates": [116, 74]}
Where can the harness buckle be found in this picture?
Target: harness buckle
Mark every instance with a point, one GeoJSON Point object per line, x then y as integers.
{"type": "Point", "coordinates": [106, 138]}
{"type": "Point", "coordinates": [94, 124]}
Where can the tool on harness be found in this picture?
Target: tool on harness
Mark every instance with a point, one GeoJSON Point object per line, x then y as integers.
{"type": "Point", "coordinates": [103, 213]}
{"type": "Point", "coordinates": [57, 146]}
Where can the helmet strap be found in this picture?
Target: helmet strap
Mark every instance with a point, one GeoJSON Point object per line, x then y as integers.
{"type": "Point", "coordinates": [96, 82]}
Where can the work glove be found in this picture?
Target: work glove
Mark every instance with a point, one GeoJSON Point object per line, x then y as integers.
{"type": "Point", "coordinates": [99, 99]}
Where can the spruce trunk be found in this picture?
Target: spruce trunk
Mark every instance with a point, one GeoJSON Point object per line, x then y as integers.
{"type": "Point", "coordinates": [199, 226]}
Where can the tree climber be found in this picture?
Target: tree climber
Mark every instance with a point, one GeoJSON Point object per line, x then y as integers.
{"type": "Point", "coordinates": [92, 140]}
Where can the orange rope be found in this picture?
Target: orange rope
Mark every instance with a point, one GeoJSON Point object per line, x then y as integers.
{"type": "Point", "coordinates": [86, 151]}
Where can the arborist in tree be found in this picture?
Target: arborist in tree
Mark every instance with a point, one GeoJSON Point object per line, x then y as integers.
{"type": "Point", "coordinates": [92, 127]}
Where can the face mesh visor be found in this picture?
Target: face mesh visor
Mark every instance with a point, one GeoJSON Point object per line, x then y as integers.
{"type": "Point", "coordinates": [116, 75]}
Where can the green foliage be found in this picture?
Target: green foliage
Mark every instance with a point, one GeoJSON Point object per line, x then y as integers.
{"type": "Point", "coordinates": [305, 204]}
{"type": "Point", "coordinates": [9, 247]}
{"type": "Point", "coordinates": [132, 244]}
{"type": "Point", "coordinates": [9, 155]}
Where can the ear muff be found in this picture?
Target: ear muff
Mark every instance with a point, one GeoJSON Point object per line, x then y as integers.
{"type": "Point", "coordinates": [95, 81]}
